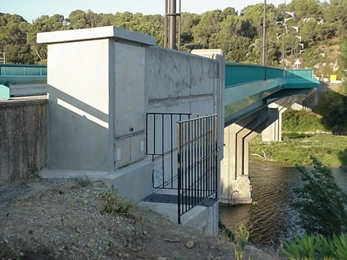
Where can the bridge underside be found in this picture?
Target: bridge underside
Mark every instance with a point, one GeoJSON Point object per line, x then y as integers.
{"type": "Point", "coordinates": [235, 183]}
{"type": "Point", "coordinates": [248, 112]}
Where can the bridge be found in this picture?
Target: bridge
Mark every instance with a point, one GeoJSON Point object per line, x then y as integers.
{"type": "Point", "coordinates": [113, 113]}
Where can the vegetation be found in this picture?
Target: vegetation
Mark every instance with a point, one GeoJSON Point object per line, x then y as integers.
{"type": "Point", "coordinates": [312, 247]}
{"type": "Point", "coordinates": [321, 203]}
{"type": "Point", "coordinates": [302, 121]}
{"type": "Point", "coordinates": [332, 107]}
{"type": "Point", "coordinates": [297, 149]}
{"type": "Point", "coordinates": [307, 134]}
{"type": "Point", "coordinates": [114, 203]}
{"type": "Point", "coordinates": [321, 26]}
{"type": "Point", "coordinates": [242, 239]}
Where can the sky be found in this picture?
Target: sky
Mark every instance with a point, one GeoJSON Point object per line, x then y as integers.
{"type": "Point", "coordinates": [32, 9]}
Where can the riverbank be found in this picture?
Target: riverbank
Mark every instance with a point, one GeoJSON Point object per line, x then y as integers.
{"type": "Point", "coordinates": [63, 219]}
{"type": "Point", "coordinates": [295, 149]}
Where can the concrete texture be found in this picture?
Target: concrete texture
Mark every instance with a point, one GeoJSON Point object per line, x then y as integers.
{"type": "Point", "coordinates": [95, 33]}
{"type": "Point", "coordinates": [20, 90]}
{"type": "Point", "coordinates": [101, 83]}
{"type": "Point", "coordinates": [200, 217]}
{"type": "Point", "coordinates": [235, 179]}
{"type": "Point", "coordinates": [96, 99]}
{"type": "Point", "coordinates": [22, 138]}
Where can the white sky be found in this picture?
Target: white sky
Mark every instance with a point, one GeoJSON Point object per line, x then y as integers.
{"type": "Point", "coordinates": [32, 9]}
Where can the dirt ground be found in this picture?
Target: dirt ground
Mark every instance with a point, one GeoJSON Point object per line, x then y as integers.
{"type": "Point", "coordinates": [62, 219]}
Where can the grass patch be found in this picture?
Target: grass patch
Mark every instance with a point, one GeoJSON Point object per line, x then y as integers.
{"type": "Point", "coordinates": [295, 149]}
{"type": "Point", "coordinates": [114, 203]}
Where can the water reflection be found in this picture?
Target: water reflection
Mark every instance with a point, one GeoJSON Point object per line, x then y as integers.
{"type": "Point", "coordinates": [271, 219]}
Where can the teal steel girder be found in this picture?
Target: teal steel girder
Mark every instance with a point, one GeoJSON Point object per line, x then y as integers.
{"type": "Point", "coordinates": [243, 99]}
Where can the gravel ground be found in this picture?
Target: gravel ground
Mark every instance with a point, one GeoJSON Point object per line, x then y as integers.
{"type": "Point", "coordinates": [62, 219]}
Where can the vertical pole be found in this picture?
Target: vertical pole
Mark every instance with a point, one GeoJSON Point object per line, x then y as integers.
{"type": "Point", "coordinates": [179, 28]}
{"type": "Point", "coordinates": [166, 24]}
{"type": "Point", "coordinates": [284, 43]}
{"type": "Point", "coordinates": [172, 29]}
{"type": "Point", "coordinates": [263, 62]}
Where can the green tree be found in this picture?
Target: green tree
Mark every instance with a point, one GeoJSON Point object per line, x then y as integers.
{"type": "Point", "coordinates": [336, 13]}
{"type": "Point", "coordinates": [333, 107]}
{"type": "Point", "coordinates": [209, 26]}
{"type": "Point", "coordinates": [321, 203]}
{"type": "Point", "coordinates": [342, 62]}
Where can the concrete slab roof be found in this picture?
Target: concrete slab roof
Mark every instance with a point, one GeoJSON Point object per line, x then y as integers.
{"type": "Point", "coordinates": [105, 32]}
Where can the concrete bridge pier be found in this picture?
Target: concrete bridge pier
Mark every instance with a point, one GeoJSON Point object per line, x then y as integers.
{"type": "Point", "coordinates": [235, 179]}
{"type": "Point", "coordinates": [273, 133]}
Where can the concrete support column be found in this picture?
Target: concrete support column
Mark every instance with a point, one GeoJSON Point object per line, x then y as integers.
{"type": "Point", "coordinates": [235, 180]}
{"type": "Point", "coordinates": [273, 133]}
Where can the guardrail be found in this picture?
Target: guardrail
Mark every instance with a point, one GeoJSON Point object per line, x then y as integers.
{"type": "Point", "coordinates": [16, 74]}
{"type": "Point", "coordinates": [22, 70]}
{"type": "Point", "coordinates": [240, 73]}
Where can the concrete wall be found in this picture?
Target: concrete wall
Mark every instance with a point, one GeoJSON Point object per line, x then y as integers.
{"type": "Point", "coordinates": [96, 98]}
{"type": "Point", "coordinates": [78, 87]}
{"type": "Point", "coordinates": [22, 139]}
{"type": "Point", "coordinates": [102, 81]}
{"type": "Point", "coordinates": [178, 82]}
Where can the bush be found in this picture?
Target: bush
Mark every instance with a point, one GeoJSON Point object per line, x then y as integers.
{"type": "Point", "coordinates": [321, 203]}
{"type": "Point", "coordinates": [301, 121]}
{"type": "Point", "coordinates": [332, 107]}
{"type": "Point", "coordinates": [317, 247]}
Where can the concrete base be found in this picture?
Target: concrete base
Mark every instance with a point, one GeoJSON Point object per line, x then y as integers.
{"type": "Point", "coordinates": [241, 192]}
{"type": "Point", "coordinates": [200, 217]}
{"type": "Point", "coordinates": [132, 182]}
{"type": "Point", "coordinates": [28, 90]}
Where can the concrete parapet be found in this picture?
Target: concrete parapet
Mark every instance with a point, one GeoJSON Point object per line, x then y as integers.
{"type": "Point", "coordinates": [22, 138]}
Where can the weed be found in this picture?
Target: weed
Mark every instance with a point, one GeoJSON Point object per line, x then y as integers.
{"type": "Point", "coordinates": [224, 231]}
{"type": "Point", "coordinates": [96, 252]}
{"type": "Point", "coordinates": [242, 239]}
{"type": "Point", "coordinates": [76, 239]}
{"type": "Point", "coordinates": [114, 203]}
{"type": "Point", "coordinates": [83, 181]}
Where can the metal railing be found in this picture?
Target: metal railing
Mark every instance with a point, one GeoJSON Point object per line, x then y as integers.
{"type": "Point", "coordinates": [197, 162]}
{"type": "Point", "coordinates": [23, 70]}
{"type": "Point", "coordinates": [161, 144]}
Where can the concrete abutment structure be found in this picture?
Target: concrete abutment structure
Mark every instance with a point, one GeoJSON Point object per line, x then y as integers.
{"type": "Point", "coordinates": [101, 83]}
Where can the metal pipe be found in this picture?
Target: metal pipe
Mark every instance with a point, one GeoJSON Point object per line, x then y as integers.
{"type": "Point", "coordinates": [263, 62]}
{"type": "Point", "coordinates": [166, 24]}
{"type": "Point", "coordinates": [172, 25]}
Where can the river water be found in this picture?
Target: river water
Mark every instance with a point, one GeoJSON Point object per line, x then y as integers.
{"type": "Point", "coordinates": [270, 219]}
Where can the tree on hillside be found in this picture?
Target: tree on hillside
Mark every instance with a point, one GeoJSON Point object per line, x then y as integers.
{"type": "Point", "coordinates": [206, 30]}
{"type": "Point", "coordinates": [306, 9]}
{"type": "Point", "coordinates": [342, 62]}
{"type": "Point", "coordinates": [336, 13]}
{"type": "Point", "coordinates": [14, 39]}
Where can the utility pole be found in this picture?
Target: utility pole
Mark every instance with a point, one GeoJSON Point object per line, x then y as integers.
{"type": "Point", "coordinates": [263, 60]}
{"type": "Point", "coordinates": [171, 24]}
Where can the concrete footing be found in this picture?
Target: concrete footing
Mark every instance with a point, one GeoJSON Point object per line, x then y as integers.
{"type": "Point", "coordinates": [204, 218]}
{"type": "Point", "coordinates": [133, 182]}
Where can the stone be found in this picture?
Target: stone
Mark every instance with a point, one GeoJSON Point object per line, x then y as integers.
{"type": "Point", "coordinates": [190, 244]}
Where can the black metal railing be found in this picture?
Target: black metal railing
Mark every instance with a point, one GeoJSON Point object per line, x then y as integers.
{"type": "Point", "coordinates": [161, 144]}
{"type": "Point", "coordinates": [197, 162]}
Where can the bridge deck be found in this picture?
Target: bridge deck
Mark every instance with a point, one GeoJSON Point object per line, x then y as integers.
{"type": "Point", "coordinates": [248, 87]}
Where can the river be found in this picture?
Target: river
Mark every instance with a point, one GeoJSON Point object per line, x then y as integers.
{"type": "Point", "coordinates": [270, 219]}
